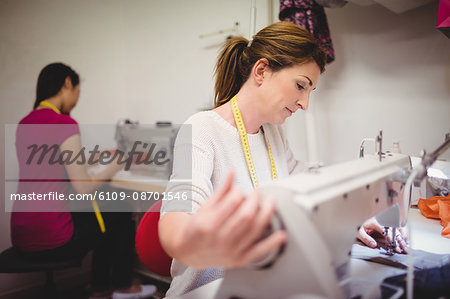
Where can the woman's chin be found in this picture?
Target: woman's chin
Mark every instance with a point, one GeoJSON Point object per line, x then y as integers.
{"type": "Point", "coordinates": [279, 121]}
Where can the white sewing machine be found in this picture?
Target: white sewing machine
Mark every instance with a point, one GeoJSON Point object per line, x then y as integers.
{"type": "Point", "coordinates": [148, 141]}
{"type": "Point", "coordinates": [322, 211]}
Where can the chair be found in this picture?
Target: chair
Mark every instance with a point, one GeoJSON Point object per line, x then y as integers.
{"type": "Point", "coordinates": [148, 246]}
{"type": "Point", "coordinates": [12, 261]}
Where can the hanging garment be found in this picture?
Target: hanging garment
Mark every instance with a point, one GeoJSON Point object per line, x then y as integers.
{"type": "Point", "coordinates": [331, 3]}
{"type": "Point", "coordinates": [309, 15]}
{"type": "Point", "coordinates": [437, 207]}
{"type": "Point", "coordinates": [443, 17]}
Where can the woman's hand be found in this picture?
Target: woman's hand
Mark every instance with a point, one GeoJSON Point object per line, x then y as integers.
{"type": "Point", "coordinates": [371, 227]}
{"type": "Point", "coordinates": [401, 237]}
{"type": "Point", "coordinates": [225, 232]}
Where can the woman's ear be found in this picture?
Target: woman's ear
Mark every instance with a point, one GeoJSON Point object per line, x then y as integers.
{"type": "Point", "coordinates": [68, 83]}
{"type": "Point", "coordinates": [260, 70]}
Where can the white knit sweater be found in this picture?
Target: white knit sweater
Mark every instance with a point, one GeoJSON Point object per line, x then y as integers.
{"type": "Point", "coordinates": [215, 148]}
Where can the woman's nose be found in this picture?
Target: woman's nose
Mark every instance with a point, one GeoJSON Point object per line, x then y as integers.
{"type": "Point", "coordinates": [303, 102]}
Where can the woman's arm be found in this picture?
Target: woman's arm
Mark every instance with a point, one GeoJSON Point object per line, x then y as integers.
{"type": "Point", "coordinates": [81, 181]}
{"type": "Point", "coordinates": [223, 233]}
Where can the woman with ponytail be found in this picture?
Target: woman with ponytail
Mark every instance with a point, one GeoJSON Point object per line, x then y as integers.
{"type": "Point", "coordinates": [236, 147]}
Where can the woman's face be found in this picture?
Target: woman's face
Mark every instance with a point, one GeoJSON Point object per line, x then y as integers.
{"type": "Point", "coordinates": [71, 99]}
{"type": "Point", "coordinates": [286, 91]}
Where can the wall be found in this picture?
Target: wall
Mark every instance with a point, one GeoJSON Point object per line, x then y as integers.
{"type": "Point", "coordinates": [392, 73]}
{"type": "Point", "coordinates": [145, 60]}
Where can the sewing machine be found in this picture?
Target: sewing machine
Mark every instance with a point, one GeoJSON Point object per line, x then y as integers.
{"type": "Point", "coordinates": [151, 145]}
{"type": "Point", "coordinates": [322, 211]}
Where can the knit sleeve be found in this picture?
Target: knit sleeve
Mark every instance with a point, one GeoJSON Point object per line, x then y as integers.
{"type": "Point", "coordinates": [190, 182]}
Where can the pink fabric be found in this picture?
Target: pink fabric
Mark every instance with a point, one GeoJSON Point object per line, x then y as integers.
{"type": "Point", "coordinates": [443, 16]}
{"type": "Point", "coordinates": [36, 231]}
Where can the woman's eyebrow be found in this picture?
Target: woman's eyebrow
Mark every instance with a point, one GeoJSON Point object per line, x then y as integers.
{"type": "Point", "coordinates": [310, 82]}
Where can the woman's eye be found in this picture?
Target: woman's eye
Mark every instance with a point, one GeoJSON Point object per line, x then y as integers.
{"type": "Point", "coordinates": [300, 86]}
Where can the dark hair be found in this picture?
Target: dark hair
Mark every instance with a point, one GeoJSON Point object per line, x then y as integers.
{"type": "Point", "coordinates": [283, 44]}
{"type": "Point", "coordinates": [51, 79]}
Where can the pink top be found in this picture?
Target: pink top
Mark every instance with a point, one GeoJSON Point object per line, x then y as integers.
{"type": "Point", "coordinates": [36, 231]}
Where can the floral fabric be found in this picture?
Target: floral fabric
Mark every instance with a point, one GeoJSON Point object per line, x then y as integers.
{"type": "Point", "coordinates": [309, 15]}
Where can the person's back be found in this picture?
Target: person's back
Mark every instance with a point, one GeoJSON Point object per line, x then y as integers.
{"type": "Point", "coordinates": [53, 226]}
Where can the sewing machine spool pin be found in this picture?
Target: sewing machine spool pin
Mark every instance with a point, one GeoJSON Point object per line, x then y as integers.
{"type": "Point", "coordinates": [378, 141]}
{"type": "Point", "coordinates": [380, 144]}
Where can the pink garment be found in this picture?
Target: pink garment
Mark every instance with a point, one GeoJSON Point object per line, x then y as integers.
{"type": "Point", "coordinates": [443, 17]}
{"type": "Point", "coordinates": [36, 231]}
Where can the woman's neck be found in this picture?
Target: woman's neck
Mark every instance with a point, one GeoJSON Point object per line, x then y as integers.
{"type": "Point", "coordinates": [250, 112]}
{"type": "Point", "coordinates": [55, 101]}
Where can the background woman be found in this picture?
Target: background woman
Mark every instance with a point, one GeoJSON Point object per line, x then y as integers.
{"type": "Point", "coordinates": [57, 233]}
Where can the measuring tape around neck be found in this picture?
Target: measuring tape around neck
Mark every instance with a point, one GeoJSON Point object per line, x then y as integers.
{"type": "Point", "coordinates": [51, 106]}
{"type": "Point", "coordinates": [245, 146]}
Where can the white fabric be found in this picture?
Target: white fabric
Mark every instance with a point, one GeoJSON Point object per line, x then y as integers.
{"type": "Point", "coordinates": [216, 148]}
{"type": "Point", "coordinates": [147, 291]}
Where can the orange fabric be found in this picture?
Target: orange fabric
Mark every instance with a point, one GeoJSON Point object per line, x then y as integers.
{"type": "Point", "coordinates": [437, 207]}
{"type": "Point", "coordinates": [444, 213]}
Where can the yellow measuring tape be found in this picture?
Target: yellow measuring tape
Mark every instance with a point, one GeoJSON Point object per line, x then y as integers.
{"type": "Point", "coordinates": [51, 106]}
{"type": "Point", "coordinates": [98, 214]}
{"type": "Point", "coordinates": [244, 140]}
